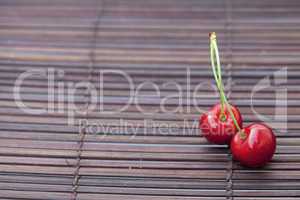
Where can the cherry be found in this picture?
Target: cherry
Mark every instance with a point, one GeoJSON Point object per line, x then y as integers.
{"type": "Point", "coordinates": [223, 120]}
{"type": "Point", "coordinates": [254, 145]}
{"type": "Point", "coordinates": [219, 128]}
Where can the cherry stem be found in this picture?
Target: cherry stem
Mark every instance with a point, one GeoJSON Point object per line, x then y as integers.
{"type": "Point", "coordinates": [214, 58]}
{"type": "Point", "coordinates": [216, 67]}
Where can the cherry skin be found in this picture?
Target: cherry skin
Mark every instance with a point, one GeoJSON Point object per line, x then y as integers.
{"type": "Point", "coordinates": [219, 130]}
{"type": "Point", "coordinates": [256, 147]}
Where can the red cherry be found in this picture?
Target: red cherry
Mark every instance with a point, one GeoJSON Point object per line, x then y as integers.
{"type": "Point", "coordinates": [255, 147]}
{"type": "Point", "coordinates": [218, 130]}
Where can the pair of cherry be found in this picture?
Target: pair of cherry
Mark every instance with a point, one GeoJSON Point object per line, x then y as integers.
{"type": "Point", "coordinates": [253, 145]}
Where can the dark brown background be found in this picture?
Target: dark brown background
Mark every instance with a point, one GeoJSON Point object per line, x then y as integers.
{"type": "Point", "coordinates": [41, 157]}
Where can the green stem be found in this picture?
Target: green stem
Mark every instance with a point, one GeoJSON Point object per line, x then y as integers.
{"type": "Point", "coordinates": [214, 56]}
{"type": "Point", "coordinates": [230, 111]}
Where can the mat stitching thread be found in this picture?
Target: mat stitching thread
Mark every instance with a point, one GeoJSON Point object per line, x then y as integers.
{"type": "Point", "coordinates": [228, 27]}
{"type": "Point", "coordinates": [87, 99]}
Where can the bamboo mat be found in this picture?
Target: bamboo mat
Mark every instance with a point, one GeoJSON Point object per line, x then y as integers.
{"type": "Point", "coordinates": [42, 157]}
